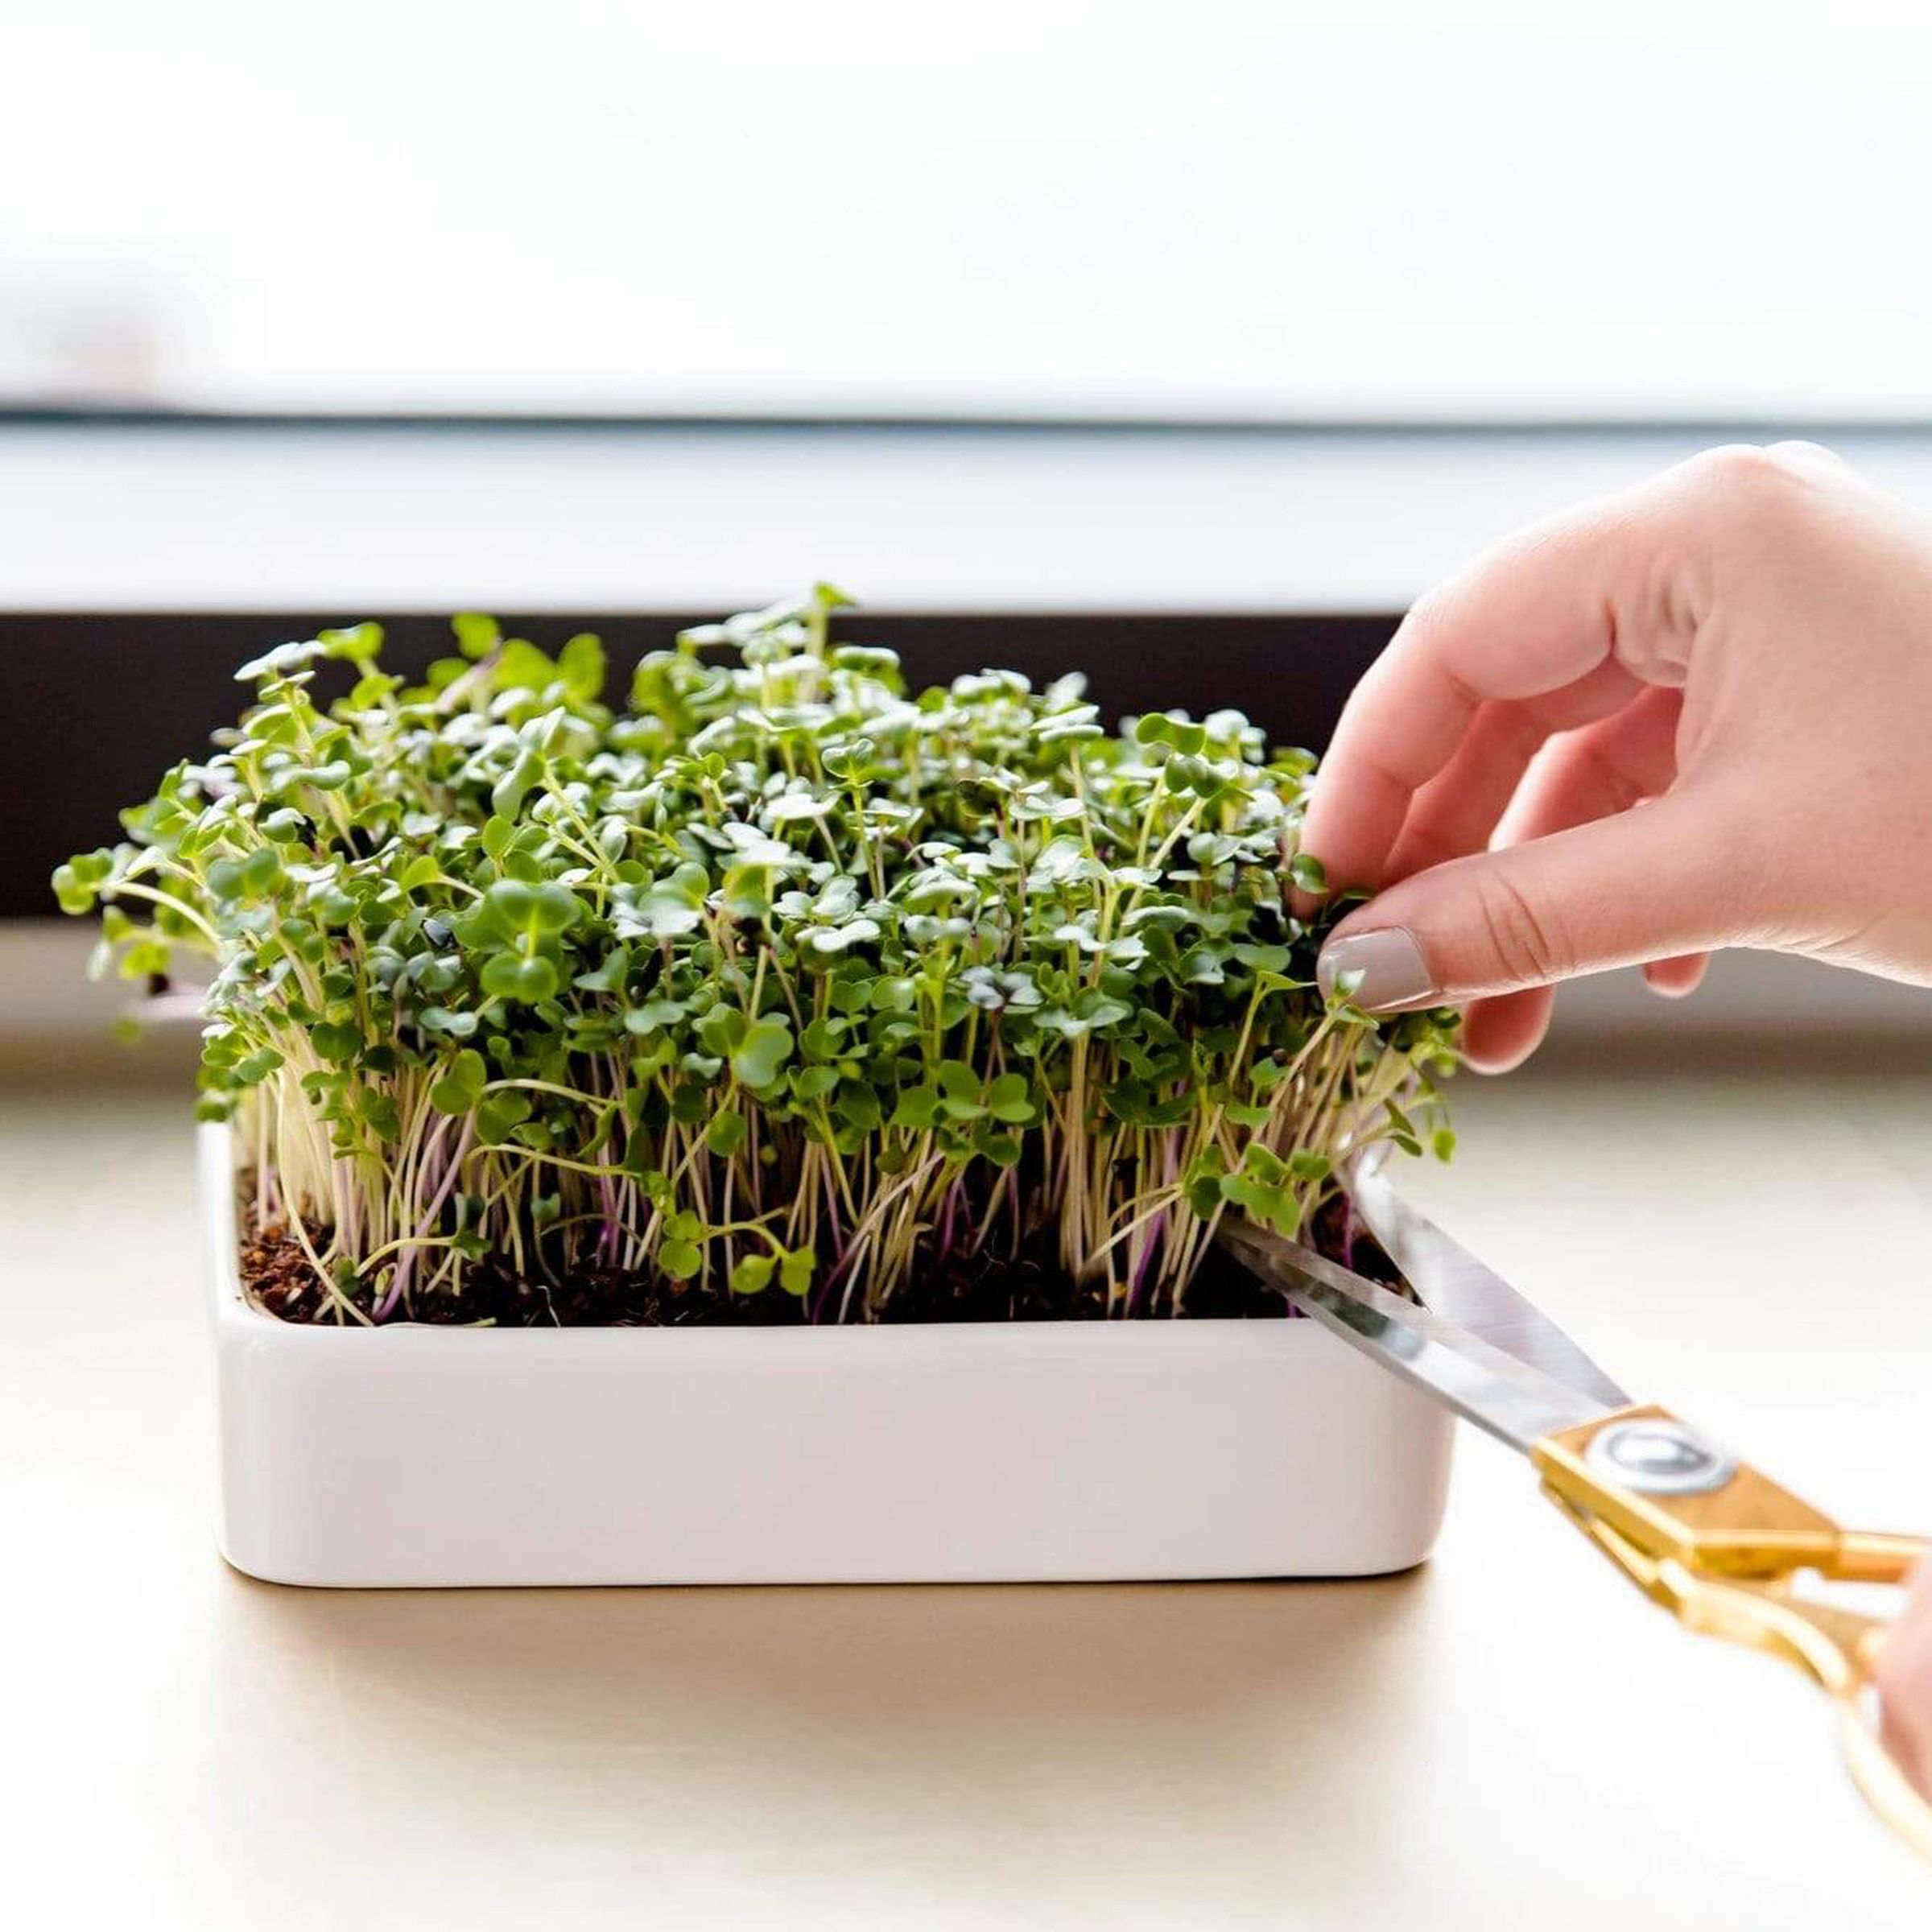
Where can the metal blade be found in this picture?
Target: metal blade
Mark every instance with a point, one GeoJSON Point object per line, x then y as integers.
{"type": "Point", "coordinates": [1498, 1392]}
{"type": "Point", "coordinates": [1451, 1281]}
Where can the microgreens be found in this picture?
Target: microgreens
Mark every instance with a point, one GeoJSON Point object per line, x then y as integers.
{"type": "Point", "coordinates": [778, 979]}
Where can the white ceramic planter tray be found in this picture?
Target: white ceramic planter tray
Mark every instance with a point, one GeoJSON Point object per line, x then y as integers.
{"type": "Point", "coordinates": [968, 1452]}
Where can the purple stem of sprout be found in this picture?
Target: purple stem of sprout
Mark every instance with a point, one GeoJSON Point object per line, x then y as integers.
{"type": "Point", "coordinates": [607, 1237]}
{"type": "Point", "coordinates": [946, 1215]}
{"type": "Point", "coordinates": [405, 1264]}
{"type": "Point", "coordinates": [823, 1300]}
{"type": "Point", "coordinates": [1008, 1184]}
{"type": "Point", "coordinates": [1157, 1233]}
{"type": "Point", "coordinates": [842, 1255]}
{"type": "Point", "coordinates": [817, 1313]}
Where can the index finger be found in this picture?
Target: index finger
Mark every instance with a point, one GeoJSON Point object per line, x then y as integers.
{"type": "Point", "coordinates": [1574, 606]}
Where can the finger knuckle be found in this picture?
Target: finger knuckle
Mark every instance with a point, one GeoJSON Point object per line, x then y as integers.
{"type": "Point", "coordinates": [1739, 504]}
{"type": "Point", "coordinates": [1738, 469]}
{"type": "Point", "coordinates": [1427, 613]}
{"type": "Point", "coordinates": [1810, 457]}
{"type": "Point", "coordinates": [1763, 486]}
{"type": "Point", "coordinates": [1525, 939]}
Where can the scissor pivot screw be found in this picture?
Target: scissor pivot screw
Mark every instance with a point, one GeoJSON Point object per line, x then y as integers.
{"type": "Point", "coordinates": [1661, 1457]}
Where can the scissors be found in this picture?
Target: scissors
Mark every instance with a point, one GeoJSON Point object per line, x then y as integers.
{"type": "Point", "coordinates": [1723, 1548]}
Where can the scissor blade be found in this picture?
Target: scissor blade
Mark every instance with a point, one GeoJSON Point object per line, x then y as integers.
{"type": "Point", "coordinates": [1496, 1391]}
{"type": "Point", "coordinates": [1451, 1281]}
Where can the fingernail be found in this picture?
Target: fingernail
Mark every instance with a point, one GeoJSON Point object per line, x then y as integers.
{"type": "Point", "coordinates": [1391, 966]}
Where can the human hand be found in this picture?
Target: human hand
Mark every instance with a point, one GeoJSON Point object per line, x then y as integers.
{"type": "Point", "coordinates": [1905, 1685]}
{"type": "Point", "coordinates": [1695, 715]}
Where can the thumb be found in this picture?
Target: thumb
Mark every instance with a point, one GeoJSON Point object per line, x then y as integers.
{"type": "Point", "coordinates": [1647, 884]}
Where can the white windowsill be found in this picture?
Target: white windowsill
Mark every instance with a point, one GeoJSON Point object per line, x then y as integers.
{"type": "Point", "coordinates": [120, 516]}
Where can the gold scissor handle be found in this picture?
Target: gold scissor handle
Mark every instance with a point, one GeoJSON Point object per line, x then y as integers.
{"type": "Point", "coordinates": [1722, 1549]}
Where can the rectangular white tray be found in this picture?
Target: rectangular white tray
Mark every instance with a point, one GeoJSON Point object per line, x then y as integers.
{"type": "Point", "coordinates": [973, 1452]}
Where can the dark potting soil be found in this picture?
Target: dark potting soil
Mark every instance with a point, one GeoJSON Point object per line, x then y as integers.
{"type": "Point", "coordinates": [280, 1279]}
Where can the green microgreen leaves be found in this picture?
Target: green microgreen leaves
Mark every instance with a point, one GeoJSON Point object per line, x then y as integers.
{"type": "Point", "coordinates": [509, 976]}
{"type": "Point", "coordinates": [460, 1085]}
{"type": "Point", "coordinates": [778, 979]}
{"type": "Point", "coordinates": [757, 1051]}
{"type": "Point", "coordinates": [1305, 871]}
{"type": "Point", "coordinates": [77, 884]}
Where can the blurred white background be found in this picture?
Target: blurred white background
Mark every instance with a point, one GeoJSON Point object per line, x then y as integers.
{"type": "Point", "coordinates": [1229, 211]}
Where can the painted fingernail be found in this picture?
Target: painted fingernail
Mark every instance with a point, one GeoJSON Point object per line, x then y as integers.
{"type": "Point", "coordinates": [1392, 970]}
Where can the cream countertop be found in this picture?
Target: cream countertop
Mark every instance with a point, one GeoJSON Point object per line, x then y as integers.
{"type": "Point", "coordinates": [1508, 1736]}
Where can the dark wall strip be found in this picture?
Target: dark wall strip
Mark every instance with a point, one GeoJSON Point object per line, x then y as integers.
{"type": "Point", "coordinates": [102, 705]}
